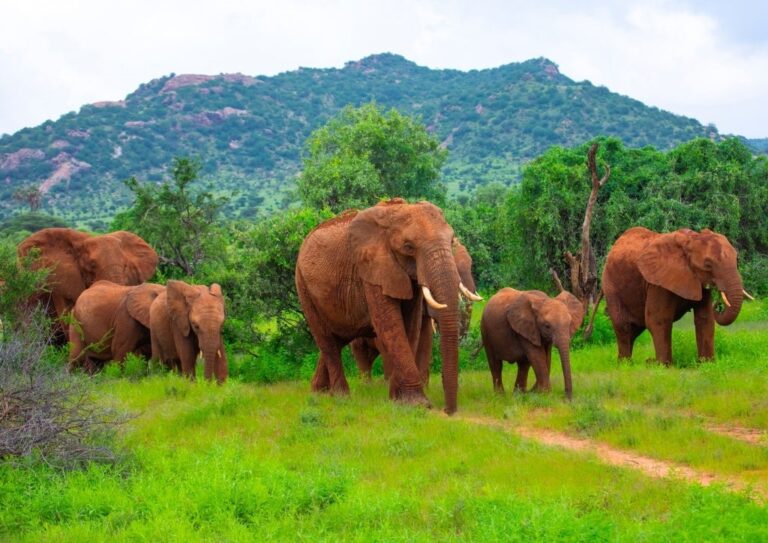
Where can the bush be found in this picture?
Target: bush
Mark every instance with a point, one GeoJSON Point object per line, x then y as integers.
{"type": "Point", "coordinates": [47, 414]}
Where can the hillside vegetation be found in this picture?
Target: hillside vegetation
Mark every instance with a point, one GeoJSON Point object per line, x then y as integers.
{"type": "Point", "coordinates": [250, 130]}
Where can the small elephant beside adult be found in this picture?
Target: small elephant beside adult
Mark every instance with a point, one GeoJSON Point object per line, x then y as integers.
{"type": "Point", "coordinates": [186, 320]}
{"type": "Point", "coordinates": [365, 350]}
{"type": "Point", "coordinates": [369, 273]}
{"type": "Point", "coordinates": [108, 322]}
{"type": "Point", "coordinates": [522, 327]}
{"type": "Point", "coordinates": [77, 260]}
{"type": "Point", "coordinates": [651, 280]}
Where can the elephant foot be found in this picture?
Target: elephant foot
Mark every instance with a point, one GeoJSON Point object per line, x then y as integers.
{"type": "Point", "coordinates": [414, 397]}
{"type": "Point", "coordinates": [340, 388]}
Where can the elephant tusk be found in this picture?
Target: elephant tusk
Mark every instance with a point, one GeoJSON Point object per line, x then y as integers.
{"type": "Point", "coordinates": [218, 353]}
{"type": "Point", "coordinates": [434, 326]}
{"type": "Point", "coordinates": [430, 300]}
{"type": "Point", "coordinates": [725, 299]}
{"type": "Point", "coordinates": [469, 294]}
{"type": "Point", "coordinates": [748, 295]}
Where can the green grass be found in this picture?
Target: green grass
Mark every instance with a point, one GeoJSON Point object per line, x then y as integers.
{"type": "Point", "coordinates": [248, 462]}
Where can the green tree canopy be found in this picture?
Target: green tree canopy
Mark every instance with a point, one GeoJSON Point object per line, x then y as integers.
{"type": "Point", "coordinates": [365, 154]}
{"type": "Point", "coordinates": [178, 222]}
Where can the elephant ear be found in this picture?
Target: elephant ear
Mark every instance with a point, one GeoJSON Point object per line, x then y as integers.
{"type": "Point", "coordinates": [180, 297]}
{"type": "Point", "coordinates": [57, 249]}
{"type": "Point", "coordinates": [575, 308]}
{"type": "Point", "coordinates": [521, 317]}
{"type": "Point", "coordinates": [375, 261]}
{"type": "Point", "coordinates": [664, 263]}
{"type": "Point", "coordinates": [140, 259]}
{"type": "Point", "coordinates": [139, 300]}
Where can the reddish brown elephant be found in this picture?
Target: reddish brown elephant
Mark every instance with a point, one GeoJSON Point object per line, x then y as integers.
{"type": "Point", "coordinates": [77, 260]}
{"type": "Point", "coordinates": [186, 320]}
{"type": "Point", "coordinates": [366, 350]}
{"type": "Point", "coordinates": [523, 326]}
{"type": "Point", "coordinates": [651, 280]}
{"type": "Point", "coordinates": [110, 321]}
{"type": "Point", "coordinates": [368, 273]}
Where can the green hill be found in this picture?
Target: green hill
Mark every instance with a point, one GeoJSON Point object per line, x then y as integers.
{"type": "Point", "coordinates": [249, 131]}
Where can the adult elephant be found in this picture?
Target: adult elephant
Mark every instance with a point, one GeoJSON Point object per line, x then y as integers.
{"type": "Point", "coordinates": [651, 280]}
{"type": "Point", "coordinates": [76, 260]}
{"type": "Point", "coordinates": [110, 321]}
{"type": "Point", "coordinates": [185, 320]}
{"type": "Point", "coordinates": [365, 350]}
{"type": "Point", "coordinates": [523, 326]}
{"type": "Point", "coordinates": [368, 273]}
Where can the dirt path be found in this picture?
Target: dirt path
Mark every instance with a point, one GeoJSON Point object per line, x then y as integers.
{"type": "Point", "coordinates": [749, 435]}
{"type": "Point", "coordinates": [617, 457]}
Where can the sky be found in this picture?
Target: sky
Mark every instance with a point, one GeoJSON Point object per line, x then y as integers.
{"type": "Point", "coordinates": [703, 59]}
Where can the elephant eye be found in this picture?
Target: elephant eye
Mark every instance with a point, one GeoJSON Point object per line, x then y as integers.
{"type": "Point", "coordinates": [708, 264]}
{"type": "Point", "coordinates": [408, 247]}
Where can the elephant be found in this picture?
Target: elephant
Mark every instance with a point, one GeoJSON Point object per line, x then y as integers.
{"type": "Point", "coordinates": [651, 280]}
{"type": "Point", "coordinates": [369, 272]}
{"type": "Point", "coordinates": [522, 326]}
{"type": "Point", "coordinates": [110, 321]}
{"type": "Point", "coordinates": [365, 350]}
{"type": "Point", "coordinates": [185, 320]}
{"type": "Point", "coordinates": [77, 260]}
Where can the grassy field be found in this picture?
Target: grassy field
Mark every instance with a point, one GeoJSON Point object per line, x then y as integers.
{"type": "Point", "coordinates": [248, 462]}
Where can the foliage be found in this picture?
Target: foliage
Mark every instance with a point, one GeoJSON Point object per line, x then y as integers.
{"type": "Point", "coordinates": [261, 283]}
{"type": "Point", "coordinates": [252, 130]}
{"type": "Point", "coordinates": [177, 221]}
{"type": "Point", "coordinates": [700, 184]}
{"type": "Point", "coordinates": [17, 283]}
{"type": "Point", "coordinates": [30, 195]}
{"type": "Point", "coordinates": [365, 154]}
{"type": "Point", "coordinates": [31, 222]}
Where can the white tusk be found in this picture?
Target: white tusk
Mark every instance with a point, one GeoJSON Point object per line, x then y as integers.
{"type": "Point", "coordinates": [470, 295]}
{"type": "Point", "coordinates": [434, 326]}
{"type": "Point", "coordinates": [725, 300]}
{"type": "Point", "coordinates": [218, 353]}
{"type": "Point", "coordinates": [430, 300]}
{"type": "Point", "coordinates": [748, 295]}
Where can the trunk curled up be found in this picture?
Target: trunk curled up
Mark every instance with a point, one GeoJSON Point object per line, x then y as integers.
{"type": "Point", "coordinates": [733, 289]}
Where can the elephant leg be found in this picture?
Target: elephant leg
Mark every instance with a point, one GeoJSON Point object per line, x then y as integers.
{"type": "Point", "coordinates": [495, 365]}
{"type": "Point", "coordinates": [329, 375]}
{"type": "Point", "coordinates": [126, 340]}
{"type": "Point", "coordinates": [75, 347]}
{"type": "Point", "coordinates": [387, 319]}
{"type": "Point", "coordinates": [521, 382]}
{"type": "Point", "coordinates": [704, 321]}
{"type": "Point", "coordinates": [659, 316]}
{"type": "Point", "coordinates": [538, 359]}
{"type": "Point", "coordinates": [364, 354]}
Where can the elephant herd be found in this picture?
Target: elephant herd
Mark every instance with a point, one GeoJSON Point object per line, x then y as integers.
{"type": "Point", "coordinates": [96, 292]}
{"type": "Point", "coordinates": [381, 280]}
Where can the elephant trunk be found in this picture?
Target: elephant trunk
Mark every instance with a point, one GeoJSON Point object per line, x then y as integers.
{"type": "Point", "coordinates": [733, 289]}
{"type": "Point", "coordinates": [210, 349]}
{"type": "Point", "coordinates": [564, 348]}
{"type": "Point", "coordinates": [443, 281]}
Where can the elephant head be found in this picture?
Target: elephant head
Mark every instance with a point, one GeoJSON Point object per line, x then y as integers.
{"type": "Point", "coordinates": [543, 320]}
{"type": "Point", "coordinates": [77, 260]}
{"type": "Point", "coordinates": [685, 261]}
{"type": "Point", "coordinates": [197, 315]}
{"type": "Point", "coordinates": [406, 249]}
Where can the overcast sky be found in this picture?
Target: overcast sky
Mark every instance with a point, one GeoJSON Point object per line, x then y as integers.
{"type": "Point", "coordinates": [704, 59]}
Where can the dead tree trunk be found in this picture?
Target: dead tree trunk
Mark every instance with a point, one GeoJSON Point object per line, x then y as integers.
{"type": "Point", "coordinates": [583, 265]}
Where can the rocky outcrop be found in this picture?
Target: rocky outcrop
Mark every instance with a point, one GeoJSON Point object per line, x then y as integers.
{"type": "Point", "coordinates": [12, 161]}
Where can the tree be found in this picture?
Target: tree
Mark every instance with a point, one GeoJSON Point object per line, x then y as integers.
{"type": "Point", "coordinates": [178, 222]}
{"type": "Point", "coordinates": [30, 195]}
{"type": "Point", "coordinates": [365, 154]}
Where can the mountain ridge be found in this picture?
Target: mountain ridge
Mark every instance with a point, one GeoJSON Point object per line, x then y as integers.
{"type": "Point", "coordinates": [249, 130]}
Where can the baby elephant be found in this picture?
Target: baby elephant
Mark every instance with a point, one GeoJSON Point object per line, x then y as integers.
{"type": "Point", "coordinates": [522, 326]}
{"type": "Point", "coordinates": [110, 321]}
{"type": "Point", "coordinates": [185, 320]}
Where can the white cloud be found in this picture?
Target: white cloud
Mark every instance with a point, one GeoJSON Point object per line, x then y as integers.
{"type": "Point", "coordinates": [56, 56]}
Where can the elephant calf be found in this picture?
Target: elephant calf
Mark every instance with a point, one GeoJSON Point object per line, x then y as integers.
{"type": "Point", "coordinates": [185, 320]}
{"type": "Point", "coordinates": [110, 321]}
{"type": "Point", "coordinates": [522, 326]}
